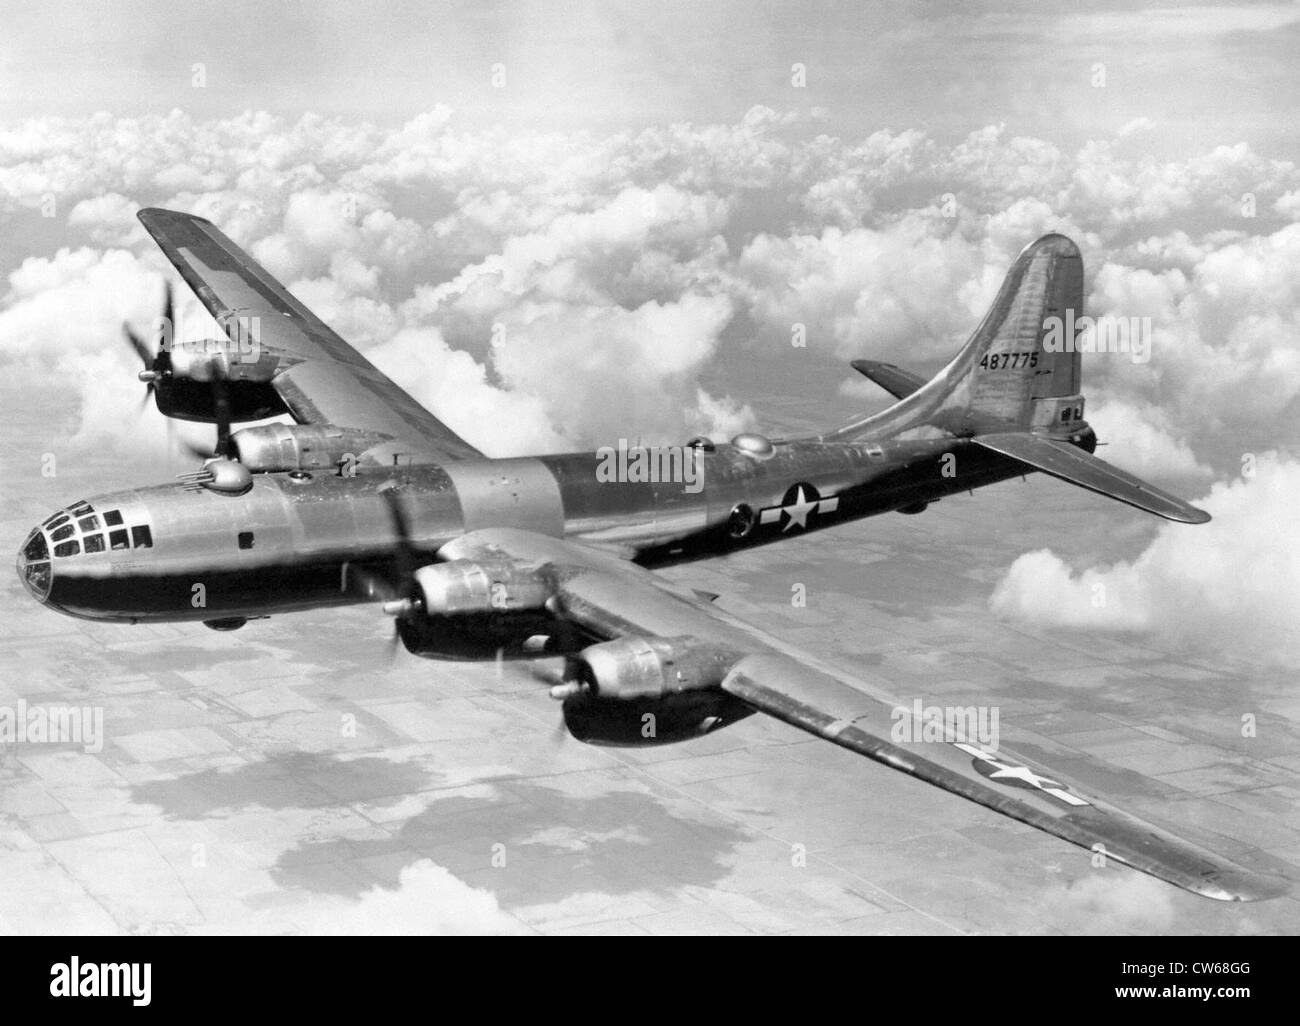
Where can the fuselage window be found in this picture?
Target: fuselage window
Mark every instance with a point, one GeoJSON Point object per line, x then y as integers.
{"type": "Point", "coordinates": [245, 539]}
{"type": "Point", "coordinates": [113, 518]}
{"type": "Point", "coordinates": [69, 548]}
{"type": "Point", "coordinates": [117, 540]}
{"type": "Point", "coordinates": [94, 543]}
{"type": "Point", "coordinates": [89, 524]}
{"type": "Point", "coordinates": [141, 537]}
{"type": "Point", "coordinates": [66, 531]}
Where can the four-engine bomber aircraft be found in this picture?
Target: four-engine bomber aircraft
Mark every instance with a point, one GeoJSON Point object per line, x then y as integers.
{"type": "Point", "coordinates": [368, 496]}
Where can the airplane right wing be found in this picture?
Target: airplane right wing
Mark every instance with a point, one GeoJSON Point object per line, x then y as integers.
{"type": "Point", "coordinates": [612, 598]}
{"type": "Point", "coordinates": [1070, 463]}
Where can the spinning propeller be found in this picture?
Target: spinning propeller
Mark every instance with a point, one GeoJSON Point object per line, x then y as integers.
{"type": "Point", "coordinates": [157, 366]}
{"type": "Point", "coordinates": [158, 371]}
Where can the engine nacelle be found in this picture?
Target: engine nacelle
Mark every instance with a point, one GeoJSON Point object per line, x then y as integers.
{"type": "Point", "coordinates": [651, 721]}
{"type": "Point", "coordinates": [272, 448]}
{"type": "Point", "coordinates": [636, 668]}
{"type": "Point", "coordinates": [462, 586]}
{"type": "Point", "coordinates": [212, 360]}
{"type": "Point", "coordinates": [184, 373]}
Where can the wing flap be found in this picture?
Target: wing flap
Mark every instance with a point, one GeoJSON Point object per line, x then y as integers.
{"type": "Point", "coordinates": [1072, 464]}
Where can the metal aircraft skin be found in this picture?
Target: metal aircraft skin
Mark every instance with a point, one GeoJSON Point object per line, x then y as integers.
{"type": "Point", "coordinates": [368, 496]}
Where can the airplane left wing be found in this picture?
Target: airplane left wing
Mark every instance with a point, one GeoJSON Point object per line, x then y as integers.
{"type": "Point", "coordinates": [321, 378]}
{"type": "Point", "coordinates": [613, 598]}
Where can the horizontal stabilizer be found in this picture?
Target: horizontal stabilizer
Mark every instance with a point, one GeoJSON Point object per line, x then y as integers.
{"type": "Point", "coordinates": [894, 380]}
{"type": "Point", "coordinates": [1070, 463]}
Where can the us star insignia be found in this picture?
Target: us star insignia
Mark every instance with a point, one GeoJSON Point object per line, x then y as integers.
{"type": "Point", "coordinates": [1018, 776]}
{"type": "Point", "coordinates": [800, 502]}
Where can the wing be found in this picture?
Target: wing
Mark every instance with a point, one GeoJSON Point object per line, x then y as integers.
{"type": "Point", "coordinates": [321, 378]}
{"type": "Point", "coordinates": [612, 598]}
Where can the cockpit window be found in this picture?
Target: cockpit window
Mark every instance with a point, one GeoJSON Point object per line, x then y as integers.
{"type": "Point", "coordinates": [35, 549]}
{"type": "Point", "coordinates": [61, 519]}
{"type": "Point", "coordinates": [80, 509]}
{"type": "Point", "coordinates": [94, 543]}
{"type": "Point", "coordinates": [66, 531]}
{"type": "Point", "coordinates": [142, 537]}
{"type": "Point", "coordinates": [68, 548]}
{"type": "Point", "coordinates": [89, 523]}
{"type": "Point", "coordinates": [113, 518]}
{"type": "Point", "coordinates": [117, 539]}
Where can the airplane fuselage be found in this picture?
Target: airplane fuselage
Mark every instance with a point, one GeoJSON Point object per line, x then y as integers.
{"type": "Point", "coordinates": [310, 539]}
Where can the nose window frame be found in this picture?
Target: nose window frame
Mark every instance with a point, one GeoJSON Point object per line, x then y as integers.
{"type": "Point", "coordinates": [35, 549]}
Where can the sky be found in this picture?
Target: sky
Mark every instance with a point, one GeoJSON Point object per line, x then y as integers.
{"type": "Point", "coordinates": [1190, 67]}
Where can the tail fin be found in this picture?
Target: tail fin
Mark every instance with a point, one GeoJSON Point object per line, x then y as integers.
{"type": "Point", "coordinates": [1015, 386]}
{"type": "Point", "coordinates": [1005, 378]}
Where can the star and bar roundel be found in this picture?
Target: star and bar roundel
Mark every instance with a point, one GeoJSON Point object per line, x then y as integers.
{"type": "Point", "coordinates": [1009, 773]}
{"type": "Point", "coordinates": [801, 502]}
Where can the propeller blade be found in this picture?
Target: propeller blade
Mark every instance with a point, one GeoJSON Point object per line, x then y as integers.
{"type": "Point", "coordinates": [138, 344]}
{"type": "Point", "coordinates": [168, 311]}
{"type": "Point", "coordinates": [221, 407]}
{"type": "Point", "coordinates": [404, 563]}
{"type": "Point", "coordinates": [395, 642]}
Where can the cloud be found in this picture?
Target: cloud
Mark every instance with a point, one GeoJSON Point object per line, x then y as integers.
{"type": "Point", "coordinates": [1109, 902]}
{"type": "Point", "coordinates": [1139, 440]}
{"type": "Point", "coordinates": [576, 357]}
{"type": "Point", "coordinates": [632, 260]}
{"type": "Point", "coordinates": [1231, 586]}
{"type": "Point", "coordinates": [1135, 126]}
{"type": "Point", "coordinates": [900, 291]}
{"type": "Point", "coordinates": [500, 422]}
{"type": "Point", "coordinates": [61, 321]}
{"type": "Point", "coordinates": [428, 900]}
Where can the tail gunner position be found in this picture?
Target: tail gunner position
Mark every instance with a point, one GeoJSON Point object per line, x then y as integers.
{"type": "Point", "coordinates": [367, 496]}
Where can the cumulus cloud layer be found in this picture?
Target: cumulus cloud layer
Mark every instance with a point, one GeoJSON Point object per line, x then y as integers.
{"type": "Point", "coordinates": [545, 290]}
{"type": "Point", "coordinates": [1232, 585]}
